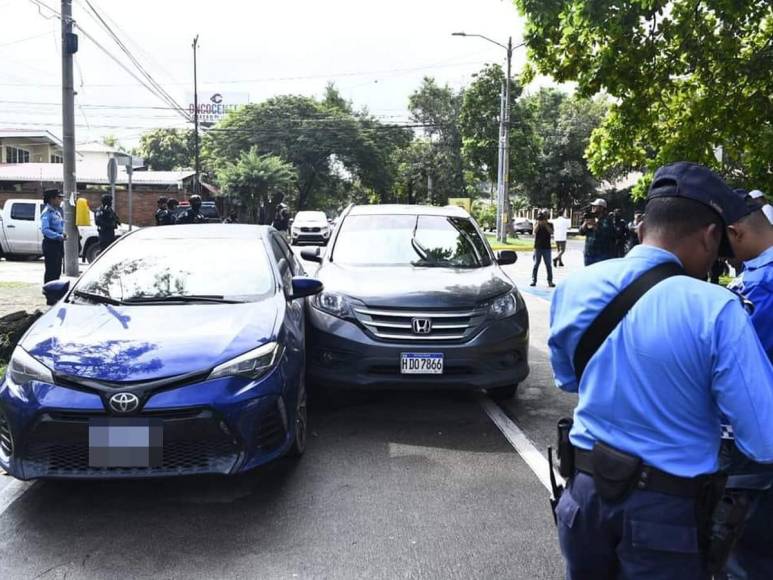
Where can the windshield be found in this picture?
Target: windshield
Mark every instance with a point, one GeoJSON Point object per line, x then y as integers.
{"type": "Point", "coordinates": [311, 216]}
{"type": "Point", "coordinates": [400, 240]}
{"type": "Point", "coordinates": [134, 269]}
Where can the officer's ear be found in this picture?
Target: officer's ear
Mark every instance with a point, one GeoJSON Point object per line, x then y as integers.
{"type": "Point", "coordinates": [712, 238]}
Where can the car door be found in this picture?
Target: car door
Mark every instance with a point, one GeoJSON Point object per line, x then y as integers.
{"type": "Point", "coordinates": [288, 267]}
{"type": "Point", "coordinates": [23, 228]}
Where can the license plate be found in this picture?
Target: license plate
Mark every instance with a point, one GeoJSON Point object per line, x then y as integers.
{"type": "Point", "coordinates": [125, 442]}
{"type": "Point", "coordinates": [414, 363]}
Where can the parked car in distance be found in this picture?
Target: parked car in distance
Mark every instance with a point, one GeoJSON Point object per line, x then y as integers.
{"type": "Point", "coordinates": [415, 298]}
{"type": "Point", "coordinates": [190, 339]}
{"type": "Point", "coordinates": [523, 226]}
{"type": "Point", "coordinates": [310, 227]}
{"type": "Point", "coordinates": [21, 237]}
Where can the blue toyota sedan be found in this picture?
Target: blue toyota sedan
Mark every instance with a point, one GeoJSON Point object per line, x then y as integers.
{"type": "Point", "coordinates": [180, 351]}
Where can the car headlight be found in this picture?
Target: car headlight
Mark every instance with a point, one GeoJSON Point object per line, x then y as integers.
{"type": "Point", "coordinates": [251, 365]}
{"type": "Point", "coordinates": [506, 306]}
{"type": "Point", "coordinates": [23, 367]}
{"type": "Point", "coordinates": [332, 303]}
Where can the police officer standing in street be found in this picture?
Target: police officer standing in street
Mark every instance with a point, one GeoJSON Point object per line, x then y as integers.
{"type": "Point", "coordinates": [193, 214]}
{"type": "Point", "coordinates": [752, 241]}
{"type": "Point", "coordinates": [600, 234]}
{"type": "Point", "coordinates": [657, 356]}
{"type": "Point", "coordinates": [107, 221]}
{"type": "Point", "coordinates": [171, 207]}
{"type": "Point", "coordinates": [52, 226]}
{"type": "Point", "coordinates": [162, 213]}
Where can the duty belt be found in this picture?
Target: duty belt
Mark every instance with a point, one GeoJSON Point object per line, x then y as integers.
{"type": "Point", "coordinates": [652, 479]}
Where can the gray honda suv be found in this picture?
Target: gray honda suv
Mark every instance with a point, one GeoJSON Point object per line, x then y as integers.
{"type": "Point", "coordinates": [415, 297]}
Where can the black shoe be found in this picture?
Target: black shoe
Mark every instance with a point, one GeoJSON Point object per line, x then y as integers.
{"type": "Point", "coordinates": [551, 285]}
{"type": "Point", "coordinates": [555, 263]}
{"type": "Point", "coordinates": [533, 284]}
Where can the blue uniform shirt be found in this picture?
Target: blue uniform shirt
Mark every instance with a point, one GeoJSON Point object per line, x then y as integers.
{"type": "Point", "coordinates": [656, 388]}
{"type": "Point", "coordinates": [52, 223]}
{"type": "Point", "coordinates": [756, 283]}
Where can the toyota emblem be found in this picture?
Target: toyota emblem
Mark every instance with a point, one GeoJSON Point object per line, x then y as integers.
{"type": "Point", "coordinates": [421, 325]}
{"type": "Point", "coordinates": [124, 402]}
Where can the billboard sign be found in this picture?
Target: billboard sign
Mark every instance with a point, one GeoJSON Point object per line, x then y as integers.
{"type": "Point", "coordinates": [215, 105]}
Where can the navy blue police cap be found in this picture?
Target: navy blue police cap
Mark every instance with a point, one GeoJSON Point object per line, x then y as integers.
{"type": "Point", "coordinates": [701, 184]}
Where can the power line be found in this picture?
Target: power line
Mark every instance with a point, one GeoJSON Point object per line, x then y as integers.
{"type": "Point", "coordinates": [19, 41]}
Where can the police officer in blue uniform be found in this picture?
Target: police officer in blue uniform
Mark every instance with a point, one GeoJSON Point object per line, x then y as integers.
{"type": "Point", "coordinates": [646, 430]}
{"type": "Point", "coordinates": [752, 241]}
{"type": "Point", "coordinates": [52, 227]}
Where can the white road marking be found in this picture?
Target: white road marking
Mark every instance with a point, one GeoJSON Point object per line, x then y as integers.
{"type": "Point", "coordinates": [520, 442]}
{"type": "Point", "coordinates": [12, 491]}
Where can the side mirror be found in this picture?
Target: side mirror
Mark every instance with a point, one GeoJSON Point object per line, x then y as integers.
{"type": "Point", "coordinates": [506, 257]}
{"type": "Point", "coordinates": [55, 290]}
{"type": "Point", "coordinates": [303, 287]}
{"type": "Point", "coordinates": [312, 255]}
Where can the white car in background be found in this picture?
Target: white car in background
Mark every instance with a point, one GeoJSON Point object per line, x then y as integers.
{"type": "Point", "coordinates": [310, 227]}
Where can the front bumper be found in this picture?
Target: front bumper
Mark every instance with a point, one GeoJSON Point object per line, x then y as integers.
{"type": "Point", "coordinates": [343, 355]}
{"type": "Point", "coordinates": [309, 237]}
{"type": "Point", "coordinates": [222, 426]}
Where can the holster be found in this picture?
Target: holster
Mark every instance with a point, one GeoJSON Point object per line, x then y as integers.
{"type": "Point", "coordinates": [615, 473]}
{"type": "Point", "coordinates": [565, 448]}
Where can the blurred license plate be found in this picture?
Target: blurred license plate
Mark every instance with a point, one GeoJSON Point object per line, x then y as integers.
{"type": "Point", "coordinates": [413, 363]}
{"type": "Point", "coordinates": [125, 442]}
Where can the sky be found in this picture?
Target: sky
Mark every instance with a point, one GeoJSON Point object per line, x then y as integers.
{"type": "Point", "coordinates": [376, 52]}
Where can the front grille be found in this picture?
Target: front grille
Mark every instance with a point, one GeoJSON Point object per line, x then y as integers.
{"type": "Point", "coordinates": [58, 446]}
{"type": "Point", "coordinates": [398, 324]}
{"type": "Point", "coordinates": [6, 441]}
{"type": "Point", "coordinates": [312, 230]}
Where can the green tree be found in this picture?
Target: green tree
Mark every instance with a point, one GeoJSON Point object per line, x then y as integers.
{"type": "Point", "coordinates": [255, 179]}
{"type": "Point", "coordinates": [167, 149]}
{"type": "Point", "coordinates": [438, 109]}
{"type": "Point", "coordinates": [323, 142]}
{"type": "Point", "coordinates": [479, 122]}
{"type": "Point", "coordinates": [564, 125]}
{"type": "Point", "coordinates": [686, 76]}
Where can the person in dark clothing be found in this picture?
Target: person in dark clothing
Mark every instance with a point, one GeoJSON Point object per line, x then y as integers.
{"type": "Point", "coordinates": [232, 218]}
{"type": "Point", "coordinates": [52, 227]}
{"type": "Point", "coordinates": [106, 220]}
{"type": "Point", "coordinates": [193, 214]}
{"type": "Point", "coordinates": [543, 230]}
{"type": "Point", "coordinates": [621, 233]}
{"type": "Point", "coordinates": [171, 215]}
{"type": "Point", "coordinates": [162, 213]}
{"type": "Point", "coordinates": [599, 231]}
{"type": "Point", "coordinates": [282, 219]}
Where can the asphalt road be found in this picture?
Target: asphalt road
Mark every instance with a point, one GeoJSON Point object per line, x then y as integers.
{"type": "Point", "coordinates": [393, 485]}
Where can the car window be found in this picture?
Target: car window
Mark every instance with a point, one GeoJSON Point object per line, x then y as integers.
{"type": "Point", "coordinates": [311, 216]}
{"type": "Point", "coordinates": [23, 211]}
{"type": "Point", "coordinates": [283, 259]}
{"type": "Point", "coordinates": [140, 268]}
{"type": "Point", "coordinates": [400, 240]}
{"type": "Point", "coordinates": [295, 264]}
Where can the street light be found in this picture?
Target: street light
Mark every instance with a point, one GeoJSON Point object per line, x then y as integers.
{"type": "Point", "coordinates": [503, 170]}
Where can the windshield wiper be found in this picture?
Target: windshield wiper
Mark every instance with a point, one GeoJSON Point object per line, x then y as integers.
{"type": "Point", "coordinates": [181, 298]}
{"type": "Point", "coordinates": [98, 298]}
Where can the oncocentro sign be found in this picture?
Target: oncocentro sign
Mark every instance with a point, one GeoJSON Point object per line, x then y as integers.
{"type": "Point", "coordinates": [214, 106]}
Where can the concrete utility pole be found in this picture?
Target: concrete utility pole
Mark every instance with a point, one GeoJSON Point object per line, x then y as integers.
{"type": "Point", "coordinates": [69, 186]}
{"type": "Point", "coordinates": [501, 187]}
{"type": "Point", "coordinates": [197, 178]}
{"type": "Point", "coordinates": [505, 207]}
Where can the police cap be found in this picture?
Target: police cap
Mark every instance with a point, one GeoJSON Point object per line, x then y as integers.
{"type": "Point", "coordinates": [699, 183]}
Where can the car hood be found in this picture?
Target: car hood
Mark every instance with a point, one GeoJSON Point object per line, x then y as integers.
{"type": "Point", "coordinates": [409, 287]}
{"type": "Point", "coordinates": [140, 343]}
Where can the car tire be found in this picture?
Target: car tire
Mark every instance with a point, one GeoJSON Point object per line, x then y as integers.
{"type": "Point", "coordinates": [91, 252]}
{"type": "Point", "coordinates": [301, 428]}
{"type": "Point", "coordinates": [503, 393]}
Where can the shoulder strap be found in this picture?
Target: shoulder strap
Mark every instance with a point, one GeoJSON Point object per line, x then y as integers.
{"type": "Point", "coordinates": [615, 311]}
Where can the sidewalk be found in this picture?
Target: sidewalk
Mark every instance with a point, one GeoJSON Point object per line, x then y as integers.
{"type": "Point", "coordinates": [520, 272]}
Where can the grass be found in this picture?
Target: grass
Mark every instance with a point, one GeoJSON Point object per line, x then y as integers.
{"type": "Point", "coordinates": [3, 366]}
{"type": "Point", "coordinates": [14, 285]}
{"type": "Point", "coordinates": [515, 245]}
{"type": "Point", "coordinates": [725, 280]}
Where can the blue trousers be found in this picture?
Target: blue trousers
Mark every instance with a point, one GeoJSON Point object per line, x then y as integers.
{"type": "Point", "coordinates": [646, 535]}
{"type": "Point", "coordinates": [545, 256]}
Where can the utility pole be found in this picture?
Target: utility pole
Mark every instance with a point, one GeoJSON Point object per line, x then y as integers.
{"type": "Point", "coordinates": [505, 207]}
{"type": "Point", "coordinates": [69, 184]}
{"type": "Point", "coordinates": [501, 187]}
{"type": "Point", "coordinates": [197, 178]}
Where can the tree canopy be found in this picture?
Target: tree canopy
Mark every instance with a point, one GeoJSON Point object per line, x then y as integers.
{"type": "Point", "coordinates": [167, 149]}
{"type": "Point", "coordinates": [686, 76]}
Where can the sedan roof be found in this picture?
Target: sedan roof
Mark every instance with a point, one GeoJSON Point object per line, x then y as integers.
{"type": "Point", "coordinates": [394, 209]}
{"type": "Point", "coordinates": [202, 231]}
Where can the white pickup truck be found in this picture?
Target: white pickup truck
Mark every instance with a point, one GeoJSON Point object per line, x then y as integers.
{"type": "Point", "coordinates": [21, 238]}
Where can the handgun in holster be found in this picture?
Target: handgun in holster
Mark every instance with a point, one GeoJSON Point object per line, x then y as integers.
{"type": "Point", "coordinates": [565, 462]}
{"type": "Point", "coordinates": [726, 526]}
